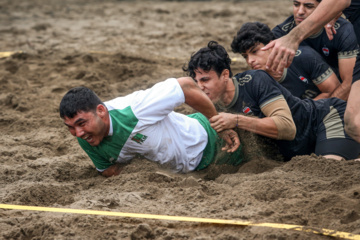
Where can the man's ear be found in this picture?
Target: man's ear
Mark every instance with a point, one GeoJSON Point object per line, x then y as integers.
{"type": "Point", "coordinates": [101, 110]}
{"type": "Point", "coordinates": [225, 73]}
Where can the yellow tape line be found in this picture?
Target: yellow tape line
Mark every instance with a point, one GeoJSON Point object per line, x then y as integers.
{"type": "Point", "coordinates": [7, 54]}
{"type": "Point", "coordinates": [321, 231]}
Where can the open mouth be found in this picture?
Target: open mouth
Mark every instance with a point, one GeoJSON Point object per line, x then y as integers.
{"type": "Point", "coordinates": [88, 138]}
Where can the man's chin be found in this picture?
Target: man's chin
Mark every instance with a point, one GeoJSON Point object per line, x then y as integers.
{"type": "Point", "coordinates": [94, 143]}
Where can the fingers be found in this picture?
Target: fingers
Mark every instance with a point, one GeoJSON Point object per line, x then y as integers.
{"type": "Point", "coordinates": [232, 141]}
{"type": "Point", "coordinates": [273, 54]}
{"type": "Point", "coordinates": [278, 60]}
{"type": "Point", "coordinates": [216, 123]}
{"type": "Point", "coordinates": [329, 31]}
{"type": "Point", "coordinates": [268, 46]}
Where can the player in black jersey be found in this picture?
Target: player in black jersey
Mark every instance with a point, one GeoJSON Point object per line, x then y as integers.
{"type": "Point", "coordinates": [300, 127]}
{"type": "Point", "coordinates": [285, 47]}
{"type": "Point", "coordinates": [352, 13]}
{"type": "Point", "coordinates": [309, 76]}
{"type": "Point", "coordinates": [340, 53]}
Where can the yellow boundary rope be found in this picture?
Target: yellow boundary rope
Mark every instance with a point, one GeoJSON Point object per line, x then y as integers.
{"type": "Point", "coordinates": [320, 231]}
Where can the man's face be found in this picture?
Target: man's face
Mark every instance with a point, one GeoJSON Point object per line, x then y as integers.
{"type": "Point", "coordinates": [88, 126]}
{"type": "Point", "coordinates": [210, 83]}
{"type": "Point", "coordinates": [256, 58]}
{"type": "Point", "coordinates": [302, 9]}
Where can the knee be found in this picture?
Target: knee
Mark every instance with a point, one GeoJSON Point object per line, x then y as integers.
{"type": "Point", "coordinates": [352, 124]}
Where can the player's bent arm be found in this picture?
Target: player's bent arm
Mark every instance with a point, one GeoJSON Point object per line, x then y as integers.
{"type": "Point", "coordinates": [328, 86]}
{"type": "Point", "coordinates": [196, 98]}
{"type": "Point", "coordinates": [346, 68]}
{"type": "Point", "coordinates": [278, 123]}
{"type": "Point", "coordinates": [352, 113]}
{"type": "Point", "coordinates": [113, 170]}
{"type": "Point", "coordinates": [280, 113]}
{"type": "Point", "coordinates": [199, 101]}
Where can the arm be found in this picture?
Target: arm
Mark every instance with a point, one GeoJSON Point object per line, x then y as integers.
{"type": "Point", "coordinates": [285, 47]}
{"type": "Point", "coordinates": [352, 113]}
{"type": "Point", "coordinates": [278, 123]}
{"type": "Point", "coordinates": [198, 100]}
{"type": "Point", "coordinates": [327, 87]}
{"type": "Point", "coordinates": [346, 68]}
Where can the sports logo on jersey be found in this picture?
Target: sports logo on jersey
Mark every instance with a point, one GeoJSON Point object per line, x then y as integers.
{"type": "Point", "coordinates": [288, 26]}
{"type": "Point", "coordinates": [246, 110]}
{"type": "Point", "coordinates": [298, 52]}
{"type": "Point", "coordinates": [139, 138]}
{"type": "Point", "coordinates": [337, 26]}
{"type": "Point", "coordinates": [304, 79]}
{"type": "Point", "coordinates": [326, 51]}
{"type": "Point", "coordinates": [245, 79]}
{"type": "Point", "coordinates": [112, 160]}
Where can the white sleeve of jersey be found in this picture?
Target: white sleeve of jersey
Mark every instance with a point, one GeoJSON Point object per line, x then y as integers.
{"type": "Point", "coordinates": [153, 104]}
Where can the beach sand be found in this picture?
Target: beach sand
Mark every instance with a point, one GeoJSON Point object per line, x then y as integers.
{"type": "Point", "coordinates": [115, 48]}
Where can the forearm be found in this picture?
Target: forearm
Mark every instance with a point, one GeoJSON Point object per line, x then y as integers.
{"type": "Point", "coordinates": [322, 96]}
{"type": "Point", "coordinates": [342, 91]}
{"type": "Point", "coordinates": [346, 69]}
{"type": "Point", "coordinates": [262, 126]}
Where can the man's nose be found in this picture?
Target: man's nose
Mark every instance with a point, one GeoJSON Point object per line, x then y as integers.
{"type": "Point", "coordinates": [201, 86]}
{"type": "Point", "coordinates": [79, 132]}
{"type": "Point", "coordinates": [301, 10]}
{"type": "Point", "coordinates": [250, 60]}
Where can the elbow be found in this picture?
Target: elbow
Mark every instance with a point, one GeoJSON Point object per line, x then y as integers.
{"type": "Point", "coordinates": [186, 83]}
{"type": "Point", "coordinates": [288, 132]}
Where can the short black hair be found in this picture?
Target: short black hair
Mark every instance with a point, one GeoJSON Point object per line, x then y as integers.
{"type": "Point", "coordinates": [78, 99]}
{"type": "Point", "coordinates": [213, 57]}
{"type": "Point", "coordinates": [250, 34]}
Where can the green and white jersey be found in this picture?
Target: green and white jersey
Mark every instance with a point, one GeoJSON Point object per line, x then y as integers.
{"type": "Point", "coordinates": [144, 123]}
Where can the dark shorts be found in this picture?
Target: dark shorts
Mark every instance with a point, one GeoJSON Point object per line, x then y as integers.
{"type": "Point", "coordinates": [331, 136]}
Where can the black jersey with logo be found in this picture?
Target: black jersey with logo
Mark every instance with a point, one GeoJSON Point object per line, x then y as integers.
{"type": "Point", "coordinates": [352, 13]}
{"type": "Point", "coordinates": [256, 88]}
{"type": "Point", "coordinates": [307, 70]}
{"type": "Point", "coordinates": [344, 44]}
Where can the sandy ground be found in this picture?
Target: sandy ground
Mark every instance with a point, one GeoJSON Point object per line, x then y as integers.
{"type": "Point", "coordinates": [116, 47]}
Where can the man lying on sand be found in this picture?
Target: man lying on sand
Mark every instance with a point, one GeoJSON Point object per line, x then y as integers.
{"type": "Point", "coordinates": [144, 123]}
{"type": "Point", "coordinates": [300, 127]}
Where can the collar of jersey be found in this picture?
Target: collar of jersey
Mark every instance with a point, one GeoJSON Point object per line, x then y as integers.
{"type": "Point", "coordinates": [111, 130]}
{"type": "Point", "coordinates": [236, 95]}
{"type": "Point", "coordinates": [283, 76]}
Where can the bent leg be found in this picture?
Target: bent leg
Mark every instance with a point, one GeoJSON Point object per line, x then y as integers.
{"type": "Point", "coordinates": [352, 113]}
{"type": "Point", "coordinates": [332, 140]}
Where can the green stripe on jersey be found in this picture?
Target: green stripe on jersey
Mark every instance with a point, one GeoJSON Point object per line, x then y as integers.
{"type": "Point", "coordinates": [107, 152]}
